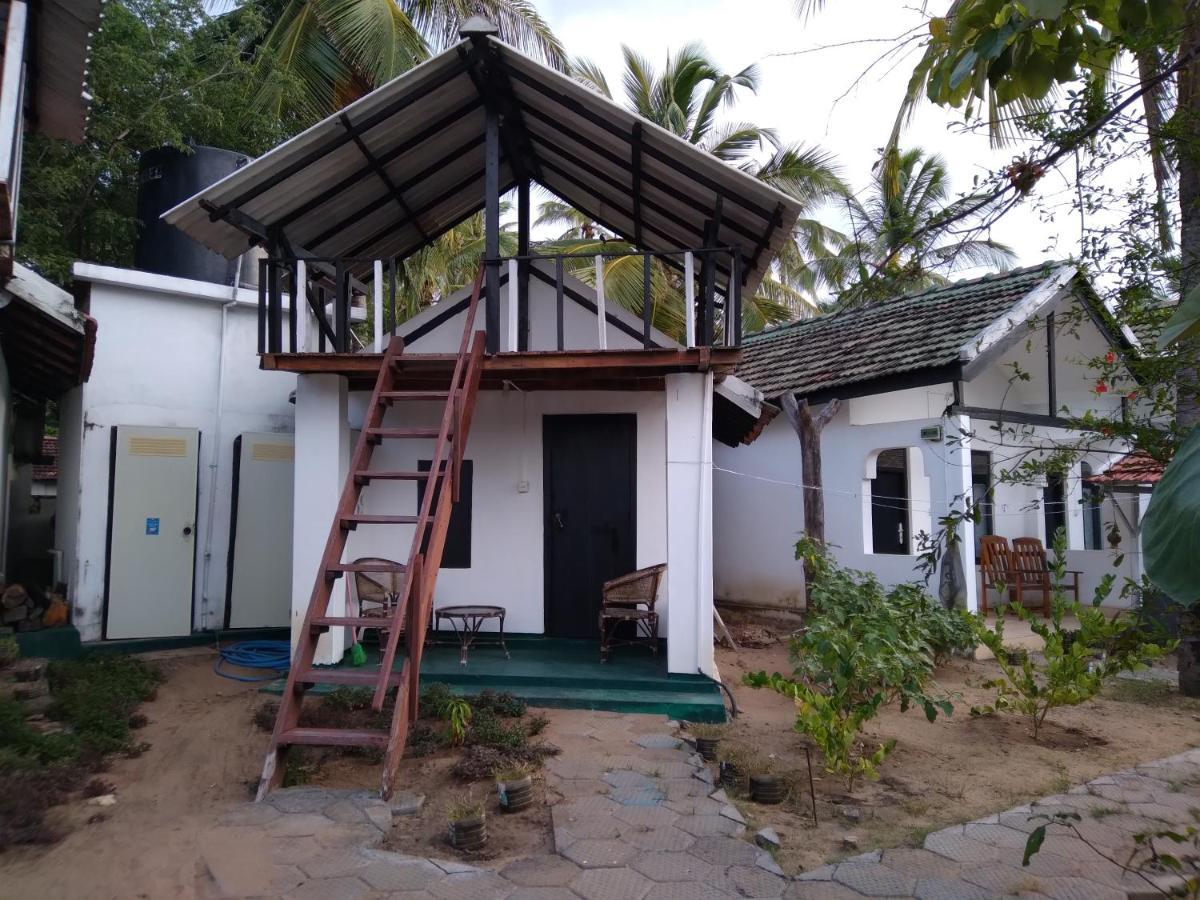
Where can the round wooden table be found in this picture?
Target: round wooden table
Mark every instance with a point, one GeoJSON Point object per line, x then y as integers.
{"type": "Point", "coordinates": [466, 621]}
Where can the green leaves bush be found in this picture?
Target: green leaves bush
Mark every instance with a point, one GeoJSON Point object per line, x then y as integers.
{"type": "Point", "coordinates": [864, 647]}
{"type": "Point", "coordinates": [1074, 663]}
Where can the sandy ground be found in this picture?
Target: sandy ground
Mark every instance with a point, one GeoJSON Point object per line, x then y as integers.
{"type": "Point", "coordinates": [955, 769]}
{"type": "Point", "coordinates": [204, 753]}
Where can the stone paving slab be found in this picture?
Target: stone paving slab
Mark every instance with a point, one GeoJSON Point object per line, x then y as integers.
{"type": "Point", "coordinates": [654, 827]}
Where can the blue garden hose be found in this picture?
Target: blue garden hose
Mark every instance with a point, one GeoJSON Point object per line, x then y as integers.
{"type": "Point", "coordinates": [274, 656]}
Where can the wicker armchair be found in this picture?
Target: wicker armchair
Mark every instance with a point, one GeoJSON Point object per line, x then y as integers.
{"type": "Point", "coordinates": [627, 615]}
{"type": "Point", "coordinates": [377, 593]}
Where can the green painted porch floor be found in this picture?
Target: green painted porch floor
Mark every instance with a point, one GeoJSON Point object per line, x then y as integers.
{"type": "Point", "coordinates": [567, 674]}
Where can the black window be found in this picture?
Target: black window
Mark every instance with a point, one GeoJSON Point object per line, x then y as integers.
{"type": "Point", "coordinates": [1093, 519]}
{"type": "Point", "coordinates": [889, 503]}
{"type": "Point", "coordinates": [457, 552]}
{"type": "Point", "coordinates": [1054, 506]}
{"type": "Point", "coordinates": [981, 494]}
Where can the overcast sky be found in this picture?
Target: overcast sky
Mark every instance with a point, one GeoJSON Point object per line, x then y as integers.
{"type": "Point", "coordinates": [812, 95]}
{"type": "Point", "coordinates": [809, 95]}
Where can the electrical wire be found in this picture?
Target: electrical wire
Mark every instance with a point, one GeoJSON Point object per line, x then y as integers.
{"type": "Point", "coordinates": [273, 656]}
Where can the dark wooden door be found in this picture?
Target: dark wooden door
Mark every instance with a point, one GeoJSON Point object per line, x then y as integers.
{"type": "Point", "coordinates": [590, 515]}
{"type": "Point", "coordinates": [889, 503]}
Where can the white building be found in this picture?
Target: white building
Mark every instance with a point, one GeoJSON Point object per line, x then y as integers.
{"type": "Point", "coordinates": [940, 392]}
{"type": "Point", "coordinates": [177, 441]}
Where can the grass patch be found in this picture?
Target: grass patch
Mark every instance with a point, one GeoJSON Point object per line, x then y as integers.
{"type": "Point", "coordinates": [1149, 693]}
{"type": "Point", "coordinates": [96, 698]}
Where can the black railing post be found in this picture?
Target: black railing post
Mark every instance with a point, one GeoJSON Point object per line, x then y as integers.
{"type": "Point", "coordinates": [558, 298]}
{"type": "Point", "coordinates": [274, 309]}
{"type": "Point", "coordinates": [322, 321]}
{"type": "Point", "coordinates": [647, 305]}
{"type": "Point", "coordinates": [708, 290]}
{"type": "Point", "coordinates": [262, 305]}
{"type": "Point", "coordinates": [341, 308]}
{"type": "Point", "coordinates": [733, 327]}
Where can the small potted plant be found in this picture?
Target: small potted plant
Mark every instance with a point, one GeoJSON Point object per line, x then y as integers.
{"type": "Point", "coordinates": [514, 784]}
{"type": "Point", "coordinates": [766, 784]}
{"type": "Point", "coordinates": [707, 738]}
{"type": "Point", "coordinates": [733, 766]}
{"type": "Point", "coordinates": [468, 824]}
{"type": "Point", "coordinates": [1016, 656]}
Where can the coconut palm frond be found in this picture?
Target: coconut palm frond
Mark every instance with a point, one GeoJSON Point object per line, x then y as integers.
{"type": "Point", "coordinates": [586, 72]}
{"type": "Point", "coordinates": [375, 37]}
{"type": "Point", "coordinates": [518, 21]}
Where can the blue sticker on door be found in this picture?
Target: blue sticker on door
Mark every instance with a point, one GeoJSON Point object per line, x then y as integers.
{"type": "Point", "coordinates": [152, 526]}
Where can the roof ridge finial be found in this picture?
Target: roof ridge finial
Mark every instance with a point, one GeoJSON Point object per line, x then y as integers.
{"type": "Point", "coordinates": [477, 27]}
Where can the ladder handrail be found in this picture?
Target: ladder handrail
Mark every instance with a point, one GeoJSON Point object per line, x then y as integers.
{"type": "Point", "coordinates": [439, 478]}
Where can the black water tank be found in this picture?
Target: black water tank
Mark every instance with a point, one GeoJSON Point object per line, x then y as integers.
{"type": "Point", "coordinates": [167, 177]}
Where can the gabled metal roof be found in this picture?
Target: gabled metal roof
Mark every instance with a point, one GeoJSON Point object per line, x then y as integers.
{"type": "Point", "coordinates": [401, 166]}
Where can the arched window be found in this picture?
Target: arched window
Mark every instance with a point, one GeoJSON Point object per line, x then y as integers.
{"type": "Point", "coordinates": [890, 503]}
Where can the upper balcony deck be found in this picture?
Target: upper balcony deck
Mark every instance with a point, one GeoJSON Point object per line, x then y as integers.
{"type": "Point", "coordinates": [547, 327]}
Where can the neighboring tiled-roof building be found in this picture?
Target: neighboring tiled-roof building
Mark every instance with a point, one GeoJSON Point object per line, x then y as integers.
{"type": "Point", "coordinates": [47, 470]}
{"type": "Point", "coordinates": [923, 331]}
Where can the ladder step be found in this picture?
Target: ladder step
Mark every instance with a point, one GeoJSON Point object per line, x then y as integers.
{"type": "Point", "coordinates": [350, 522]}
{"type": "Point", "coordinates": [392, 396]}
{"type": "Point", "coordinates": [357, 677]}
{"type": "Point", "coordinates": [378, 434]}
{"type": "Point", "coordinates": [335, 737]}
{"type": "Point", "coordinates": [366, 567]}
{"type": "Point", "coordinates": [352, 621]}
{"type": "Point", "coordinates": [366, 475]}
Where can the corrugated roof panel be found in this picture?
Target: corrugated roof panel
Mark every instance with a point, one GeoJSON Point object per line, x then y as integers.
{"type": "Point", "coordinates": [280, 187]}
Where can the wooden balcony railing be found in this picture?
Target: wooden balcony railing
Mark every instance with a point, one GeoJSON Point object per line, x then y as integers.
{"type": "Point", "coordinates": [333, 294]}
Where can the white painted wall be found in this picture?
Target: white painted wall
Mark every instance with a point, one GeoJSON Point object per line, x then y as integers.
{"type": "Point", "coordinates": [158, 362]}
{"type": "Point", "coordinates": [507, 546]}
{"type": "Point", "coordinates": [759, 510]}
{"type": "Point", "coordinates": [579, 322]}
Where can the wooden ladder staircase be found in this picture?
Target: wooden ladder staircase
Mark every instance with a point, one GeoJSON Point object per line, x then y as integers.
{"type": "Point", "coordinates": [412, 610]}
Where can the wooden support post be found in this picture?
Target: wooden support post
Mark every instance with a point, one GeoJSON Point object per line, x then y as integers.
{"type": "Point", "coordinates": [303, 313]}
{"type": "Point", "coordinates": [1050, 374]}
{"type": "Point", "coordinates": [647, 305]}
{"type": "Point", "coordinates": [491, 225]}
{"type": "Point", "coordinates": [377, 311]}
{"type": "Point", "coordinates": [513, 319]}
{"type": "Point", "coordinates": [808, 429]}
{"type": "Point", "coordinates": [733, 302]}
{"type": "Point", "coordinates": [341, 308]}
{"type": "Point", "coordinates": [601, 315]}
{"type": "Point", "coordinates": [558, 300]}
{"type": "Point", "coordinates": [523, 266]}
{"type": "Point", "coordinates": [274, 297]}
{"type": "Point", "coordinates": [689, 297]}
{"type": "Point", "coordinates": [262, 305]}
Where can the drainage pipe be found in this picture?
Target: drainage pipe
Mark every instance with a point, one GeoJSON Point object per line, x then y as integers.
{"type": "Point", "coordinates": [214, 465]}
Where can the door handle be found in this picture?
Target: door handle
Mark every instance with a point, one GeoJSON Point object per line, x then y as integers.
{"type": "Point", "coordinates": [558, 521]}
{"type": "Point", "coordinates": [187, 530]}
{"type": "Point", "coordinates": [900, 531]}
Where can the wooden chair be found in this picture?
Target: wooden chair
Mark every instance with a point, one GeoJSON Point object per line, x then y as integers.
{"type": "Point", "coordinates": [630, 599]}
{"type": "Point", "coordinates": [1002, 573]}
{"type": "Point", "coordinates": [377, 594]}
{"type": "Point", "coordinates": [1029, 559]}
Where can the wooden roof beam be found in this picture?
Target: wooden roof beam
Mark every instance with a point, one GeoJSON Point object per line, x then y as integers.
{"type": "Point", "coordinates": [381, 173]}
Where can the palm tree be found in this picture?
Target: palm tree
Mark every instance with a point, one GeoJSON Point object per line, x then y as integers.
{"type": "Point", "coordinates": [685, 98]}
{"type": "Point", "coordinates": [897, 246]}
{"type": "Point", "coordinates": [339, 50]}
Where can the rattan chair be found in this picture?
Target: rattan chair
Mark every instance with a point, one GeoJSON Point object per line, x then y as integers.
{"type": "Point", "coordinates": [628, 604]}
{"type": "Point", "coordinates": [377, 594]}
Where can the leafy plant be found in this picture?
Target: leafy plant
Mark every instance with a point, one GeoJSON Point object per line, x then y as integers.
{"type": "Point", "coordinates": [97, 694]}
{"type": "Point", "coordinates": [348, 699]}
{"type": "Point", "coordinates": [457, 714]}
{"type": "Point", "coordinates": [502, 703]}
{"type": "Point", "coordinates": [866, 647]}
{"type": "Point", "coordinates": [433, 698]}
{"type": "Point", "coordinates": [489, 730]}
{"type": "Point", "coordinates": [10, 651]}
{"type": "Point", "coordinates": [1072, 668]}
{"type": "Point", "coordinates": [707, 730]}
{"type": "Point", "coordinates": [1146, 862]}
{"type": "Point", "coordinates": [464, 807]}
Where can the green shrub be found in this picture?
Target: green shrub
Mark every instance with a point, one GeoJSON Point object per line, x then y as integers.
{"type": "Point", "coordinates": [434, 698]}
{"type": "Point", "coordinates": [502, 703]}
{"type": "Point", "coordinates": [1074, 663]}
{"type": "Point", "coordinates": [864, 647]}
{"type": "Point", "coordinates": [348, 699]}
{"type": "Point", "coordinates": [97, 694]}
{"type": "Point", "coordinates": [489, 730]}
{"type": "Point", "coordinates": [10, 651]}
